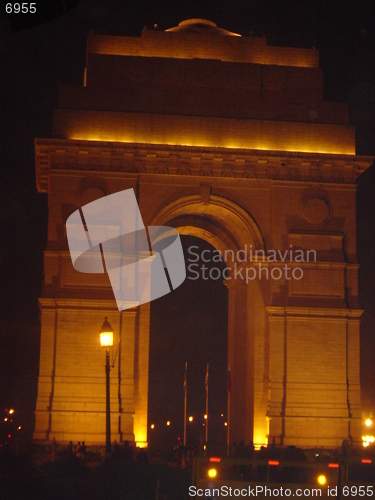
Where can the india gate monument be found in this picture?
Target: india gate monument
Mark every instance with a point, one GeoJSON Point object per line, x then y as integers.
{"type": "Point", "coordinates": [227, 139]}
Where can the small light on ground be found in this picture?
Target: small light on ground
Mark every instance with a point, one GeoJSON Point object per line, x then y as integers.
{"type": "Point", "coordinates": [322, 479]}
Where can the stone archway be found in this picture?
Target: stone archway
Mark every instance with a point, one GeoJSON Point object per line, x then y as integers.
{"type": "Point", "coordinates": [206, 153]}
{"type": "Point", "coordinates": [231, 230]}
{"type": "Point", "coordinates": [220, 222]}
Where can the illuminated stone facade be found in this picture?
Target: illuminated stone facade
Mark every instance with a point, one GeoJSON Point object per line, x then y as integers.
{"type": "Point", "coordinates": [230, 140]}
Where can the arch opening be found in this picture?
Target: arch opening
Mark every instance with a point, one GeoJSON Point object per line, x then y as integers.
{"type": "Point", "coordinates": [217, 227]}
{"type": "Point", "coordinates": [189, 325]}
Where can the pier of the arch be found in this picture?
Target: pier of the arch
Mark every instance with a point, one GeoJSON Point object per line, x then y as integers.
{"type": "Point", "coordinates": [294, 375]}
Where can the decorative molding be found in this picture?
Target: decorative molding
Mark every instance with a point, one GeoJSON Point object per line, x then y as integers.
{"type": "Point", "coordinates": [91, 305]}
{"type": "Point", "coordinates": [91, 156]}
{"type": "Point", "coordinates": [327, 312]}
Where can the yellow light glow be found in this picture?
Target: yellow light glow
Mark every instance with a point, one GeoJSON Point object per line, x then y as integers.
{"type": "Point", "coordinates": [212, 473]}
{"type": "Point", "coordinates": [152, 426]}
{"type": "Point", "coordinates": [322, 479]}
{"type": "Point", "coordinates": [368, 439]}
{"type": "Point", "coordinates": [365, 444]}
{"type": "Point", "coordinates": [6, 419]}
{"type": "Point", "coordinates": [205, 417]}
{"type": "Point", "coordinates": [302, 147]}
{"type": "Point", "coordinates": [106, 334]}
{"type": "Point", "coordinates": [368, 422]}
{"type": "Point", "coordinates": [168, 422]}
{"type": "Point", "coordinates": [106, 339]}
{"type": "Point", "coordinates": [225, 423]}
{"type": "Point", "coordinates": [11, 411]}
{"type": "Point", "coordinates": [191, 419]}
{"type": "Point", "coordinates": [19, 428]}
{"type": "Point", "coordinates": [141, 444]}
{"type": "Point", "coordinates": [260, 438]}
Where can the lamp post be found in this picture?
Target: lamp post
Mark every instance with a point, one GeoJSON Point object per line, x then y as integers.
{"type": "Point", "coordinates": [106, 340]}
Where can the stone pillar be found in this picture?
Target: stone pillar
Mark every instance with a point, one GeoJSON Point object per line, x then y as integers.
{"type": "Point", "coordinates": [353, 377]}
{"type": "Point", "coordinates": [71, 391]}
{"type": "Point", "coordinates": [247, 355]}
{"type": "Point", "coordinates": [241, 421]}
{"type": "Point", "coordinates": [277, 375]}
{"type": "Point", "coordinates": [125, 371]}
{"type": "Point", "coordinates": [141, 364]}
{"type": "Point", "coordinates": [314, 395]}
{"type": "Point", "coordinates": [47, 362]}
{"type": "Point", "coordinates": [258, 354]}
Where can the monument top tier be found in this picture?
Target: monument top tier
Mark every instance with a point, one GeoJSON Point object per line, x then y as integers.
{"type": "Point", "coordinates": [197, 39]}
{"type": "Point", "coordinates": [200, 85]}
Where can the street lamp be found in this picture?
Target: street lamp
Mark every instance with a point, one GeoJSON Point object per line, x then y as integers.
{"type": "Point", "coordinates": [106, 340]}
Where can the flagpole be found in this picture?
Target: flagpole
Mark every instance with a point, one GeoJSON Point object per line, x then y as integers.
{"type": "Point", "coordinates": [228, 410]}
{"type": "Point", "coordinates": [185, 401]}
{"type": "Point", "coordinates": [207, 404]}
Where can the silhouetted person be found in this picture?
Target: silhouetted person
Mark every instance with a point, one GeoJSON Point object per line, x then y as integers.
{"type": "Point", "coordinates": [116, 450]}
{"type": "Point", "coordinates": [179, 455]}
{"type": "Point", "coordinates": [250, 450]}
{"type": "Point", "coordinates": [70, 449]}
{"type": "Point", "coordinates": [83, 449]}
{"type": "Point", "coordinates": [241, 449]}
{"type": "Point", "coordinates": [127, 452]}
{"type": "Point", "coordinates": [142, 456]}
{"type": "Point", "coordinates": [263, 452]}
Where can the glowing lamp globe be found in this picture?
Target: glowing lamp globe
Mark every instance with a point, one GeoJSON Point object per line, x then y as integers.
{"type": "Point", "coordinates": [106, 335]}
{"type": "Point", "coordinates": [212, 473]}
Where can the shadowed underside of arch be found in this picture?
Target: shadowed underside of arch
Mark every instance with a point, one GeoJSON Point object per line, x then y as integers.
{"type": "Point", "coordinates": [220, 222]}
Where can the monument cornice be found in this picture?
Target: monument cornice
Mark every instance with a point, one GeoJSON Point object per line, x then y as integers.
{"type": "Point", "coordinates": [293, 312]}
{"type": "Point", "coordinates": [139, 158]}
{"type": "Point", "coordinates": [90, 305]}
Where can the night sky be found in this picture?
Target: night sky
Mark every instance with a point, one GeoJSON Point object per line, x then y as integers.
{"type": "Point", "coordinates": [190, 324]}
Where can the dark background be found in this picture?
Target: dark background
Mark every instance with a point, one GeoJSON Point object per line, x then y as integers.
{"type": "Point", "coordinates": [190, 324]}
